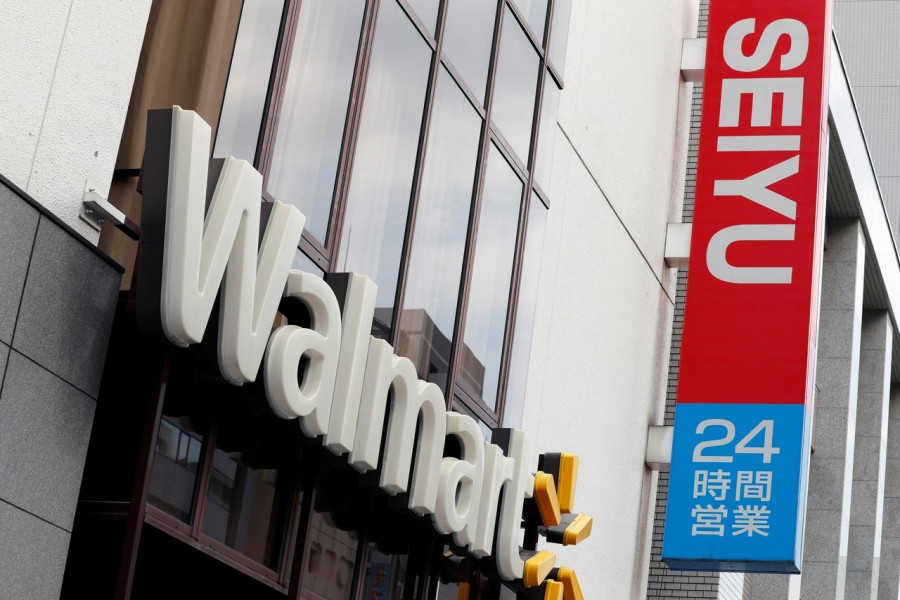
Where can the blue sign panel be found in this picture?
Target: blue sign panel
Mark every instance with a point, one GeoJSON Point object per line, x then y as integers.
{"type": "Point", "coordinates": [734, 488]}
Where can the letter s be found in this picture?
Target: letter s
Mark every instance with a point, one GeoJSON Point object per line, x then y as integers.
{"type": "Point", "coordinates": [738, 61]}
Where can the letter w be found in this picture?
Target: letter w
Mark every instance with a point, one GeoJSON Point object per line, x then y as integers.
{"type": "Point", "coordinates": [198, 252]}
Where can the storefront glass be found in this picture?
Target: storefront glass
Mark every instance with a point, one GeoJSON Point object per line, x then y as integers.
{"type": "Point", "coordinates": [442, 220]}
{"type": "Point", "coordinates": [314, 109]}
{"type": "Point", "coordinates": [491, 277]}
{"type": "Point", "coordinates": [381, 185]}
{"type": "Point", "coordinates": [515, 86]}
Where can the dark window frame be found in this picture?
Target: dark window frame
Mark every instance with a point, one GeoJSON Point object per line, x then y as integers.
{"type": "Point", "coordinates": [302, 495]}
{"type": "Point", "coordinates": [191, 532]}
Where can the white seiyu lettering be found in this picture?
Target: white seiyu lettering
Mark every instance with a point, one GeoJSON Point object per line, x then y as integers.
{"type": "Point", "coordinates": [762, 90]}
{"type": "Point", "coordinates": [739, 31]}
{"type": "Point", "coordinates": [757, 186]}
{"type": "Point", "coordinates": [757, 143]}
{"type": "Point", "coordinates": [721, 269]}
{"type": "Point", "coordinates": [348, 375]}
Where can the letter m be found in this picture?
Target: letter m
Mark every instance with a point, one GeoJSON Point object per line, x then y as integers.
{"type": "Point", "coordinates": [196, 239]}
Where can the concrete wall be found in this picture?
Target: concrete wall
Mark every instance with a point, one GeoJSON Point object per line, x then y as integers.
{"type": "Point", "coordinates": [599, 359]}
{"type": "Point", "coordinates": [57, 296]}
{"type": "Point", "coordinates": [67, 69]}
{"type": "Point", "coordinates": [731, 586]}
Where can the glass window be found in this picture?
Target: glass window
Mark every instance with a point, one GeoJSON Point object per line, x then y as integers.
{"type": "Point", "coordinates": [492, 588]}
{"type": "Point", "coordinates": [535, 13]}
{"type": "Point", "coordinates": [491, 276]}
{"type": "Point", "coordinates": [456, 575]}
{"type": "Point", "coordinates": [427, 11]}
{"type": "Point", "coordinates": [303, 263]}
{"type": "Point", "coordinates": [314, 109]}
{"type": "Point", "coordinates": [459, 407]}
{"type": "Point", "coordinates": [525, 310]}
{"type": "Point", "coordinates": [381, 183]}
{"type": "Point", "coordinates": [330, 560]}
{"type": "Point", "coordinates": [385, 574]}
{"type": "Point", "coordinates": [543, 162]}
{"type": "Point", "coordinates": [515, 87]}
{"type": "Point", "coordinates": [559, 34]}
{"type": "Point", "coordinates": [468, 33]}
{"type": "Point", "coordinates": [175, 465]}
{"type": "Point", "coordinates": [332, 541]}
{"type": "Point", "coordinates": [246, 507]}
{"type": "Point", "coordinates": [435, 265]}
{"type": "Point", "coordinates": [453, 591]}
{"type": "Point", "coordinates": [248, 79]}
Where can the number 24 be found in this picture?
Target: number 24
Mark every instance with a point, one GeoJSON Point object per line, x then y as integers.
{"type": "Point", "coordinates": [766, 427]}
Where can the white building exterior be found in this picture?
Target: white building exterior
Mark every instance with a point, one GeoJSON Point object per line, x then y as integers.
{"type": "Point", "coordinates": [600, 366]}
{"type": "Point", "coordinates": [68, 67]}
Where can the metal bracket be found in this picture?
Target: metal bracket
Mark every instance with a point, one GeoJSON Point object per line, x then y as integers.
{"type": "Point", "coordinates": [95, 210]}
{"type": "Point", "coordinates": [678, 245]}
{"type": "Point", "coordinates": [659, 446]}
{"type": "Point", "coordinates": [693, 59]}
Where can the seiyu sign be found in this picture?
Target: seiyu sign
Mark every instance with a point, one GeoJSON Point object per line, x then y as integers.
{"type": "Point", "coordinates": [740, 457]}
{"type": "Point", "coordinates": [332, 376]}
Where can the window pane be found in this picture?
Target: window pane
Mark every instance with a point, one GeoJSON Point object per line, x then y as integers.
{"type": "Point", "coordinates": [246, 501]}
{"type": "Point", "coordinates": [515, 88]}
{"type": "Point", "coordinates": [378, 200]}
{"type": "Point", "coordinates": [468, 34]}
{"type": "Point", "coordinates": [456, 576]}
{"type": "Point", "coordinates": [559, 34]}
{"type": "Point", "coordinates": [495, 589]}
{"type": "Point", "coordinates": [435, 267]}
{"type": "Point", "coordinates": [459, 407]}
{"type": "Point", "coordinates": [385, 573]}
{"type": "Point", "coordinates": [329, 554]}
{"type": "Point", "coordinates": [543, 162]}
{"type": "Point", "coordinates": [304, 263]}
{"type": "Point", "coordinates": [535, 13]}
{"type": "Point", "coordinates": [248, 79]}
{"type": "Point", "coordinates": [314, 109]}
{"type": "Point", "coordinates": [427, 11]}
{"type": "Point", "coordinates": [453, 591]}
{"type": "Point", "coordinates": [491, 274]}
{"type": "Point", "coordinates": [175, 465]}
{"type": "Point", "coordinates": [525, 311]}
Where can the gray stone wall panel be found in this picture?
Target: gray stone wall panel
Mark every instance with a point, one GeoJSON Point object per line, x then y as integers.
{"type": "Point", "coordinates": [45, 426]}
{"type": "Point", "coordinates": [33, 558]}
{"type": "Point", "coordinates": [17, 231]}
{"type": "Point", "coordinates": [67, 309]}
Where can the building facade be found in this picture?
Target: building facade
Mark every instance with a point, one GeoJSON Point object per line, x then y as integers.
{"type": "Point", "coordinates": [505, 173]}
{"type": "Point", "coordinates": [863, 31]}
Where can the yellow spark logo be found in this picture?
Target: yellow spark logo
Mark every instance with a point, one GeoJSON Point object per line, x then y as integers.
{"type": "Point", "coordinates": [550, 514]}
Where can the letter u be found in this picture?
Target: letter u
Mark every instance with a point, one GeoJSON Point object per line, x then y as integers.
{"type": "Point", "coordinates": [721, 269]}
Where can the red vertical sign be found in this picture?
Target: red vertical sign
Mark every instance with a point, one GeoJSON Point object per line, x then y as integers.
{"type": "Point", "coordinates": [741, 445]}
{"type": "Point", "coordinates": [752, 295]}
